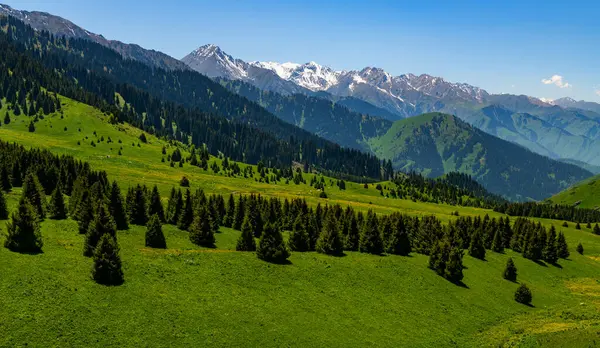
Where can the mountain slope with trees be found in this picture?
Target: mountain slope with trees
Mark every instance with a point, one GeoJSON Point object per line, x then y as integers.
{"type": "Point", "coordinates": [434, 144]}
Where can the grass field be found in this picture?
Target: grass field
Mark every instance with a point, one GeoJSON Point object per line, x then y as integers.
{"type": "Point", "coordinates": [191, 296]}
{"type": "Point", "coordinates": [586, 192]}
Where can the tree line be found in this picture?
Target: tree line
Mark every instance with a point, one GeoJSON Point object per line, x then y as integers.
{"type": "Point", "coordinates": [550, 211]}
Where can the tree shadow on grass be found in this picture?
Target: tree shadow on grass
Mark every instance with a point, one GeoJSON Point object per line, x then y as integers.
{"type": "Point", "coordinates": [279, 262]}
{"type": "Point", "coordinates": [27, 252]}
{"type": "Point", "coordinates": [540, 262]}
{"type": "Point", "coordinates": [557, 265]}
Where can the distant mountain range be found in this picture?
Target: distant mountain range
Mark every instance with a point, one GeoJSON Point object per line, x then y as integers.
{"type": "Point", "coordinates": [562, 129]}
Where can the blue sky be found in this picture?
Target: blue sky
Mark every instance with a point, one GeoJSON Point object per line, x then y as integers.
{"type": "Point", "coordinates": [502, 46]}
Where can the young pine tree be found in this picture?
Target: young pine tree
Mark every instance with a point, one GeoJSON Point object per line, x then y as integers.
{"type": "Point", "coordinates": [246, 240]}
{"type": "Point", "coordinates": [33, 192]}
{"type": "Point", "coordinates": [84, 213]}
{"type": "Point", "coordinates": [329, 241]}
{"type": "Point", "coordinates": [174, 207]}
{"type": "Point", "coordinates": [271, 246]}
{"type": "Point", "coordinates": [107, 262]}
{"type": "Point", "coordinates": [138, 212]}
{"type": "Point", "coordinates": [57, 209]}
{"type": "Point", "coordinates": [352, 238]}
{"type": "Point", "coordinates": [23, 231]}
{"type": "Point", "coordinates": [187, 212]}
{"type": "Point", "coordinates": [579, 249]}
{"type": "Point", "coordinates": [523, 295]}
{"type": "Point", "coordinates": [398, 242]}
{"type": "Point", "coordinates": [476, 247]}
{"type": "Point", "coordinates": [370, 238]}
{"type": "Point", "coordinates": [101, 224]}
{"type": "Point", "coordinates": [155, 206]}
{"type": "Point", "coordinates": [498, 242]}
{"type": "Point", "coordinates": [239, 214]}
{"type": "Point", "coordinates": [154, 234]}
{"type": "Point", "coordinates": [230, 212]}
{"type": "Point", "coordinates": [550, 254]}
{"type": "Point", "coordinates": [596, 229]}
{"type": "Point", "coordinates": [454, 265]}
{"type": "Point", "coordinates": [117, 208]}
{"type": "Point", "coordinates": [299, 239]}
{"type": "Point", "coordinates": [201, 229]}
{"type": "Point", "coordinates": [510, 272]}
{"type": "Point", "coordinates": [561, 246]}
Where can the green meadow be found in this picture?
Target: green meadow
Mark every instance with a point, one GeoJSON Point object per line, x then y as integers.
{"type": "Point", "coordinates": [192, 296]}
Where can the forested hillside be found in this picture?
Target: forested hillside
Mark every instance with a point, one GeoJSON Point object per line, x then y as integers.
{"type": "Point", "coordinates": [436, 143]}
{"type": "Point", "coordinates": [325, 118]}
{"type": "Point", "coordinates": [189, 105]}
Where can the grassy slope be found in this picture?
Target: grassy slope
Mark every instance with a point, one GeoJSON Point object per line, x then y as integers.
{"type": "Point", "coordinates": [192, 296]}
{"type": "Point", "coordinates": [587, 191]}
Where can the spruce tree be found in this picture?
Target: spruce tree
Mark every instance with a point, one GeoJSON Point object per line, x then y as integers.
{"type": "Point", "coordinates": [117, 208]}
{"type": "Point", "coordinates": [498, 242]}
{"type": "Point", "coordinates": [255, 218]}
{"type": "Point", "coordinates": [329, 241]}
{"type": "Point", "coordinates": [154, 234]}
{"type": "Point", "coordinates": [352, 238]}
{"type": "Point", "coordinates": [271, 246]}
{"type": "Point", "coordinates": [187, 213]}
{"type": "Point", "coordinates": [398, 241]}
{"type": "Point", "coordinates": [3, 207]}
{"type": "Point", "coordinates": [510, 272]}
{"type": "Point", "coordinates": [57, 209]}
{"type": "Point", "coordinates": [230, 212]}
{"type": "Point", "coordinates": [34, 193]}
{"type": "Point", "coordinates": [23, 231]}
{"type": "Point", "coordinates": [84, 213]}
{"type": "Point", "coordinates": [5, 183]}
{"type": "Point", "coordinates": [579, 249]}
{"type": "Point", "coordinates": [550, 249]}
{"type": "Point", "coordinates": [201, 229]}
{"type": "Point", "coordinates": [562, 247]}
{"type": "Point", "coordinates": [299, 239]}
{"type": "Point", "coordinates": [107, 262]}
{"type": "Point", "coordinates": [523, 295]}
{"type": "Point", "coordinates": [137, 210]}
{"type": "Point", "coordinates": [578, 226]}
{"type": "Point", "coordinates": [155, 206]}
{"type": "Point", "coordinates": [246, 240]}
{"type": "Point", "coordinates": [589, 225]}
{"type": "Point", "coordinates": [6, 118]}
{"type": "Point", "coordinates": [240, 214]}
{"type": "Point", "coordinates": [454, 265]}
{"type": "Point", "coordinates": [102, 223]}
{"type": "Point", "coordinates": [174, 207]}
{"type": "Point", "coordinates": [370, 239]}
{"type": "Point", "coordinates": [476, 247]}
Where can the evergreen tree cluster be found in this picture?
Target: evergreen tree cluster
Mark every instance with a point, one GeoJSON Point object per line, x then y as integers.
{"type": "Point", "coordinates": [452, 188]}
{"type": "Point", "coordinates": [550, 211]}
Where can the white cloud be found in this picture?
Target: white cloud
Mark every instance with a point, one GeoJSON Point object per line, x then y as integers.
{"type": "Point", "coordinates": [597, 92]}
{"type": "Point", "coordinates": [558, 81]}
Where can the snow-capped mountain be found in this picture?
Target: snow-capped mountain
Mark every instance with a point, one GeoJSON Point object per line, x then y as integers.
{"type": "Point", "coordinates": [578, 104]}
{"type": "Point", "coordinates": [211, 61]}
{"type": "Point", "coordinates": [403, 95]}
